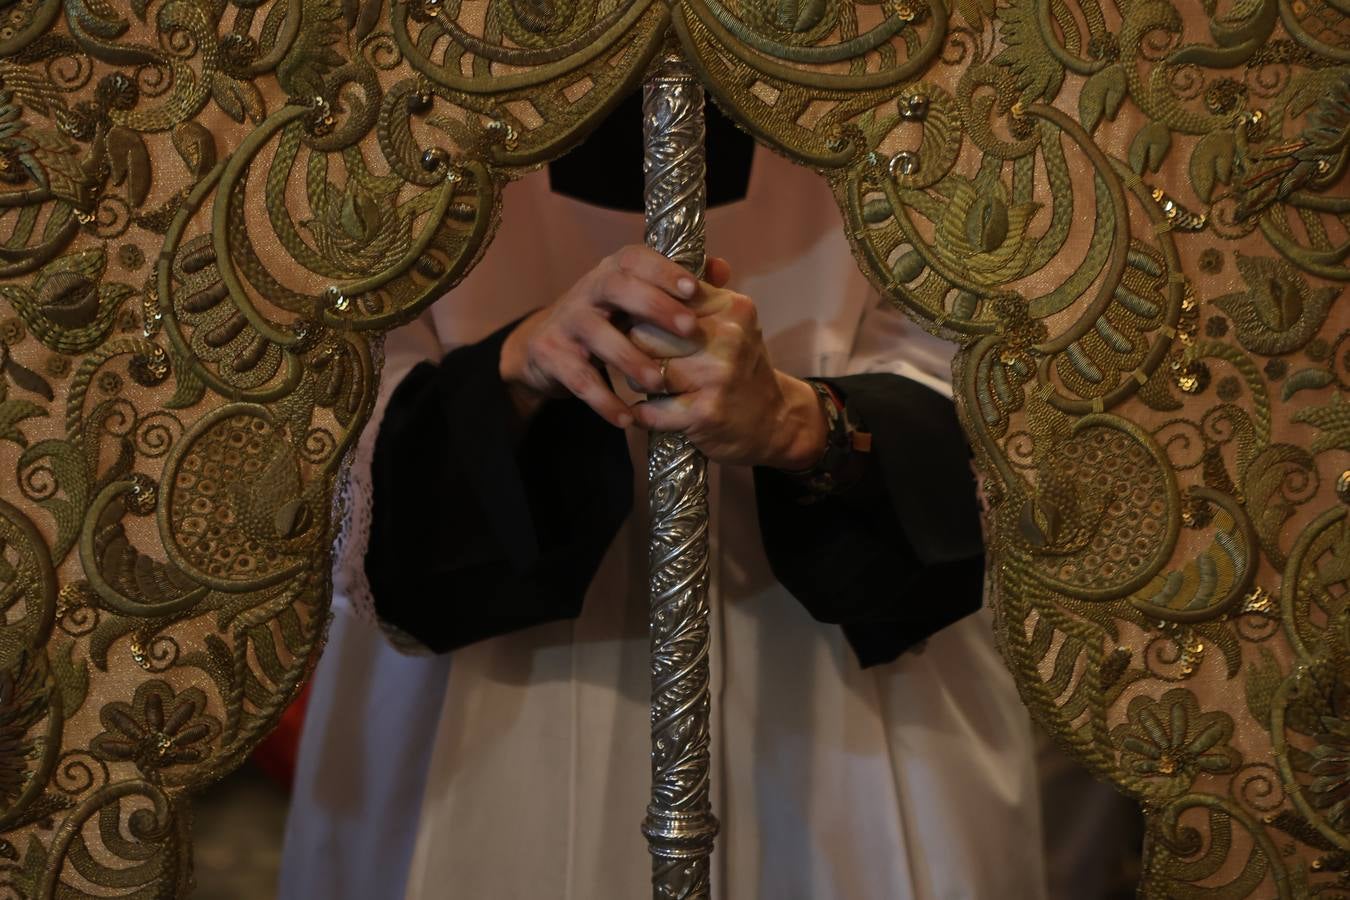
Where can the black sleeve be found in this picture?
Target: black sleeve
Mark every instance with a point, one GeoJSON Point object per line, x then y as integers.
{"type": "Point", "coordinates": [897, 556]}
{"type": "Point", "coordinates": [481, 524]}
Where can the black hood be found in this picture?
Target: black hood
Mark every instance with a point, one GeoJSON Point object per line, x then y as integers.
{"type": "Point", "coordinates": [606, 169]}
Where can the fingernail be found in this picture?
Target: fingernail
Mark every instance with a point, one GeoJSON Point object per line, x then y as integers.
{"type": "Point", "coordinates": [685, 323]}
{"type": "Point", "coordinates": [686, 287]}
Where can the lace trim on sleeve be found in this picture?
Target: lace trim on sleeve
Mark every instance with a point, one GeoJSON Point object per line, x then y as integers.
{"type": "Point", "coordinates": [353, 502]}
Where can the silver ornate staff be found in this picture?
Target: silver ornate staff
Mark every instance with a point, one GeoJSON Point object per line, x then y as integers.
{"type": "Point", "coordinates": [680, 826]}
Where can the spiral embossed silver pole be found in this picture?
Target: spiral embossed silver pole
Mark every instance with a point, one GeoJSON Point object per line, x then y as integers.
{"type": "Point", "coordinates": [680, 826]}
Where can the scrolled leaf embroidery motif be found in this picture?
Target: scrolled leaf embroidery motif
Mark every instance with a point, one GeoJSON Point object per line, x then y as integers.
{"type": "Point", "coordinates": [1131, 216]}
{"type": "Point", "coordinates": [208, 212]}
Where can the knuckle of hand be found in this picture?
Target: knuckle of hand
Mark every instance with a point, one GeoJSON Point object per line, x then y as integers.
{"type": "Point", "coordinates": [743, 308]}
{"type": "Point", "coordinates": [578, 376]}
{"type": "Point", "coordinates": [629, 257]}
{"type": "Point", "coordinates": [615, 283]}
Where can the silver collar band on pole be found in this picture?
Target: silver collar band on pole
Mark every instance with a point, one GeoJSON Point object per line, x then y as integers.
{"type": "Point", "coordinates": [680, 826]}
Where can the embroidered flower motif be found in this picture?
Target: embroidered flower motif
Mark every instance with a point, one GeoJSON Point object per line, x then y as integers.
{"type": "Point", "coordinates": [1279, 312]}
{"type": "Point", "coordinates": [1211, 261]}
{"type": "Point", "coordinates": [58, 365]}
{"type": "Point", "coordinates": [1224, 95]}
{"type": "Point", "coordinates": [1170, 739]}
{"type": "Point", "coordinates": [118, 91]}
{"type": "Point", "coordinates": [131, 256]}
{"type": "Point", "coordinates": [984, 235]}
{"type": "Point", "coordinates": [12, 331]}
{"type": "Point", "coordinates": [1330, 790]}
{"type": "Point", "coordinates": [158, 729]}
{"type": "Point", "coordinates": [362, 227]}
{"type": "Point", "coordinates": [237, 53]}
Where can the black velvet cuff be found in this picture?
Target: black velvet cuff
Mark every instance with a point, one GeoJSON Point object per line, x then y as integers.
{"type": "Point", "coordinates": [482, 524]}
{"type": "Point", "coordinates": [898, 555]}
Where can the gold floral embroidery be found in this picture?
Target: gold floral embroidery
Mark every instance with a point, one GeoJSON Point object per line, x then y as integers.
{"type": "Point", "coordinates": [1132, 216]}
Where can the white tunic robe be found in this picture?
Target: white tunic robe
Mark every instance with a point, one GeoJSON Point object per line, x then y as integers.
{"type": "Point", "coordinates": [831, 782]}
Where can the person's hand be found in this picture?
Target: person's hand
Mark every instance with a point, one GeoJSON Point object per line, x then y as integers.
{"type": "Point", "coordinates": [728, 398]}
{"type": "Point", "coordinates": [552, 352]}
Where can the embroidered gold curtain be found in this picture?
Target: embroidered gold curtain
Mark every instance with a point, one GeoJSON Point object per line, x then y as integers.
{"type": "Point", "coordinates": [1132, 214]}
